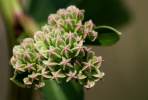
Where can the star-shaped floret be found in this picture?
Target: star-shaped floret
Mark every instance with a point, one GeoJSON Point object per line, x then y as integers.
{"type": "Point", "coordinates": [70, 36]}
{"type": "Point", "coordinates": [52, 52]}
{"type": "Point", "coordinates": [45, 73]}
{"type": "Point", "coordinates": [65, 62]}
{"type": "Point", "coordinates": [30, 67]}
{"type": "Point", "coordinates": [71, 75]}
{"type": "Point", "coordinates": [66, 50]}
{"type": "Point", "coordinates": [81, 76]}
{"type": "Point", "coordinates": [56, 75]}
{"type": "Point", "coordinates": [79, 48]}
{"type": "Point", "coordinates": [99, 75]}
{"type": "Point", "coordinates": [87, 65]}
{"type": "Point", "coordinates": [50, 63]}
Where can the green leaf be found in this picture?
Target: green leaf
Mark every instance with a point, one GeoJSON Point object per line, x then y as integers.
{"type": "Point", "coordinates": [106, 36]}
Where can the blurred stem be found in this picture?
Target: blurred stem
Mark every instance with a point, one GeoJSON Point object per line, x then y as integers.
{"type": "Point", "coordinates": [13, 13]}
{"type": "Point", "coordinates": [7, 12]}
{"type": "Point", "coordinates": [73, 90]}
{"type": "Point", "coordinates": [62, 91]}
{"type": "Point", "coordinates": [52, 91]}
{"type": "Point", "coordinates": [27, 23]}
{"type": "Point", "coordinates": [6, 9]}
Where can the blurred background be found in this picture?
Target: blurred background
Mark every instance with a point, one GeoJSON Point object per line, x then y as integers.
{"type": "Point", "coordinates": [125, 63]}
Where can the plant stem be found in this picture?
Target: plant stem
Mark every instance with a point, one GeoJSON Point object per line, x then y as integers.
{"type": "Point", "coordinates": [62, 91]}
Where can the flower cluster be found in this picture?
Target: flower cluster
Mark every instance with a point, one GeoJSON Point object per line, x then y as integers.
{"type": "Point", "coordinates": [57, 52]}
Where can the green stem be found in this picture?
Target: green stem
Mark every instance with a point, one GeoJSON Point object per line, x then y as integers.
{"type": "Point", "coordinates": [62, 91]}
{"type": "Point", "coordinates": [7, 14]}
{"type": "Point", "coordinates": [52, 91]}
{"type": "Point", "coordinates": [26, 22]}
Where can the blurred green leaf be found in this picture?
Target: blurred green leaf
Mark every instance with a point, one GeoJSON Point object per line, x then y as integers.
{"type": "Point", "coordinates": [102, 12]}
{"type": "Point", "coordinates": [107, 35]}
